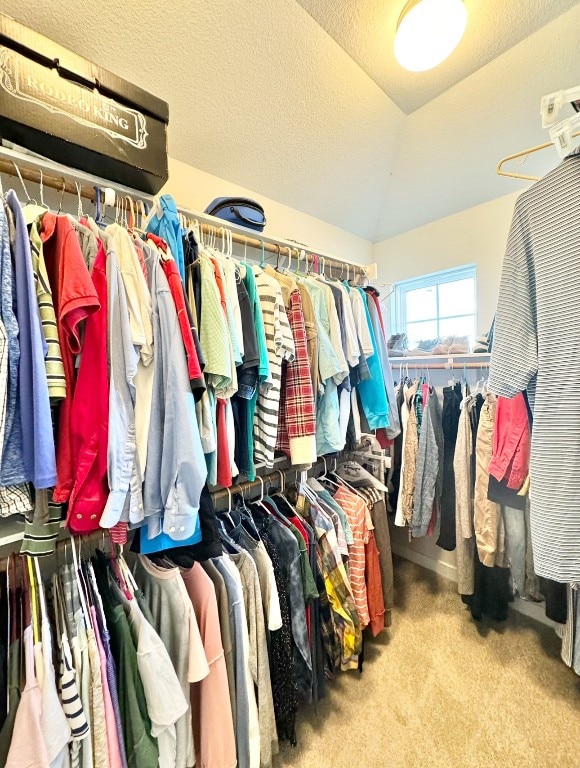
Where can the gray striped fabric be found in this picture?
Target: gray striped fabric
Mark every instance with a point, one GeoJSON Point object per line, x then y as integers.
{"type": "Point", "coordinates": [280, 344]}
{"type": "Point", "coordinates": [536, 346]}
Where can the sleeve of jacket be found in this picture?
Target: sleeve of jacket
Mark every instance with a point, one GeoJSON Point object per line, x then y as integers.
{"type": "Point", "coordinates": [514, 359]}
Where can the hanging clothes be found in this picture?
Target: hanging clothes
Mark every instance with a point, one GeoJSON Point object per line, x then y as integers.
{"type": "Point", "coordinates": [280, 346]}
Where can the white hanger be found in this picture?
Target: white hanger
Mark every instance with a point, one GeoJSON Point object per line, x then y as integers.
{"type": "Point", "coordinates": [563, 133]}
{"type": "Point", "coordinates": [79, 584]}
{"type": "Point", "coordinates": [552, 103]}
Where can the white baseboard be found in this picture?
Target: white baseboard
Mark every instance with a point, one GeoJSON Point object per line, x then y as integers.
{"type": "Point", "coordinates": [447, 570]}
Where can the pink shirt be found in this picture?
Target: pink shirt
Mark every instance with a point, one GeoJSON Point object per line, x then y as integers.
{"type": "Point", "coordinates": [27, 747]}
{"type": "Point", "coordinates": [111, 727]}
{"type": "Point", "coordinates": [213, 726]}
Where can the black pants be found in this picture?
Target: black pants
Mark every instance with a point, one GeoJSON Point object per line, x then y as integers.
{"type": "Point", "coordinates": [450, 422]}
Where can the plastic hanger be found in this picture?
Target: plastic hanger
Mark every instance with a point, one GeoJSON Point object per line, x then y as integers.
{"type": "Point", "coordinates": [31, 210]}
{"type": "Point", "coordinates": [289, 267]}
{"type": "Point", "coordinates": [562, 134]}
{"type": "Point", "coordinates": [227, 540]}
{"type": "Point", "coordinates": [324, 476]}
{"type": "Point", "coordinates": [347, 485]}
{"type": "Point", "coordinates": [552, 103]}
{"type": "Point", "coordinates": [33, 600]}
{"type": "Point", "coordinates": [260, 502]}
{"type": "Point", "coordinates": [141, 208]}
{"type": "Point", "coordinates": [246, 518]}
{"type": "Point", "coordinates": [40, 587]}
{"type": "Point", "coordinates": [126, 571]}
{"type": "Point", "coordinates": [83, 602]}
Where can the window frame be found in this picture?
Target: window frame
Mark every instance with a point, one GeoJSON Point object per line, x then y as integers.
{"type": "Point", "coordinates": [402, 287]}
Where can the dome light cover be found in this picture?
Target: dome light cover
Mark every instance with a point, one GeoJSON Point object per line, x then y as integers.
{"type": "Point", "coordinates": [428, 31]}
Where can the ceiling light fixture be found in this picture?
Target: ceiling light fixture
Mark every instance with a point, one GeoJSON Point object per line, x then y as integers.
{"type": "Point", "coordinates": [428, 31]}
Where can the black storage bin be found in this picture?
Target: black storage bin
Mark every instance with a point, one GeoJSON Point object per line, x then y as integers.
{"type": "Point", "coordinates": [64, 107]}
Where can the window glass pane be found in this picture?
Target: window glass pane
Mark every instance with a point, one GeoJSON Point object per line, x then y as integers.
{"type": "Point", "coordinates": [458, 326]}
{"type": "Point", "coordinates": [457, 298]}
{"type": "Point", "coordinates": [421, 304]}
{"type": "Point", "coordinates": [421, 332]}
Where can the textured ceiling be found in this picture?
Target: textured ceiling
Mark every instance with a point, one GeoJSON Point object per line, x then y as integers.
{"type": "Point", "coordinates": [448, 156]}
{"type": "Point", "coordinates": [260, 94]}
{"type": "Point", "coordinates": [366, 30]}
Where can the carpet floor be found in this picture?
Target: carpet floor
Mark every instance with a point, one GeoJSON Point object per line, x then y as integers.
{"type": "Point", "coordinates": [439, 690]}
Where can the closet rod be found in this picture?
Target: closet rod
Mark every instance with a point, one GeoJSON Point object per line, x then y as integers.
{"type": "Point", "coordinates": [445, 366]}
{"type": "Point", "coordinates": [31, 170]}
{"type": "Point", "coordinates": [222, 496]}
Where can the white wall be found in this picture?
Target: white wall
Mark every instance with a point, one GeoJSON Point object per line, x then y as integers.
{"type": "Point", "coordinates": [195, 189]}
{"type": "Point", "coordinates": [475, 236]}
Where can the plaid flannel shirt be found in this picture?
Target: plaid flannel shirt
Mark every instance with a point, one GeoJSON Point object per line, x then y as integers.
{"type": "Point", "coordinates": [297, 416]}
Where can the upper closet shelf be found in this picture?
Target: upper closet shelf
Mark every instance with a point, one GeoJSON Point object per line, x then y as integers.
{"type": "Point", "coordinates": [474, 360]}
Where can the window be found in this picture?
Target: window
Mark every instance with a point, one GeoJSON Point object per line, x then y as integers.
{"type": "Point", "coordinates": [436, 305]}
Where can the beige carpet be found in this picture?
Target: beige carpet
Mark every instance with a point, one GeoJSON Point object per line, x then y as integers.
{"type": "Point", "coordinates": [440, 690]}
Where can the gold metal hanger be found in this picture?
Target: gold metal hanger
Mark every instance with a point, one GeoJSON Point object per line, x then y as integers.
{"type": "Point", "coordinates": [524, 153]}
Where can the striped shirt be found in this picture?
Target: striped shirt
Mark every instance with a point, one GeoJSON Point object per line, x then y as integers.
{"type": "Point", "coordinates": [41, 525]}
{"type": "Point", "coordinates": [53, 358]}
{"type": "Point", "coordinates": [356, 511]}
{"type": "Point", "coordinates": [65, 673]}
{"type": "Point", "coordinates": [280, 345]}
{"type": "Point", "coordinates": [536, 347]}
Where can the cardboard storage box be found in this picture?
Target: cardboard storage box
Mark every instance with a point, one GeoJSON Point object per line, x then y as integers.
{"type": "Point", "coordinates": [64, 107]}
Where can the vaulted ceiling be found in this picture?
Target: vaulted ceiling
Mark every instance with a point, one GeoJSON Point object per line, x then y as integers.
{"type": "Point", "coordinates": [303, 101]}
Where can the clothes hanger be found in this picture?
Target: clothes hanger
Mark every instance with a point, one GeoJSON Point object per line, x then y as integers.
{"type": "Point", "coordinates": [33, 600]}
{"type": "Point", "coordinates": [299, 256]}
{"type": "Point", "coordinates": [324, 477]}
{"type": "Point", "coordinates": [40, 587]}
{"type": "Point", "coordinates": [260, 502]}
{"type": "Point", "coordinates": [115, 567]}
{"type": "Point", "coordinates": [347, 485]}
{"type": "Point", "coordinates": [141, 208]}
{"type": "Point", "coordinates": [80, 202]}
{"type": "Point", "coordinates": [31, 209]}
{"type": "Point", "coordinates": [552, 103]}
{"type": "Point", "coordinates": [524, 153]}
{"type": "Point", "coordinates": [128, 575]}
{"type": "Point", "coordinates": [85, 610]}
{"type": "Point", "coordinates": [230, 546]}
{"type": "Point", "coordinates": [246, 519]}
{"type": "Point", "coordinates": [87, 592]}
{"type": "Point", "coordinates": [288, 269]}
{"type": "Point", "coordinates": [25, 600]}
